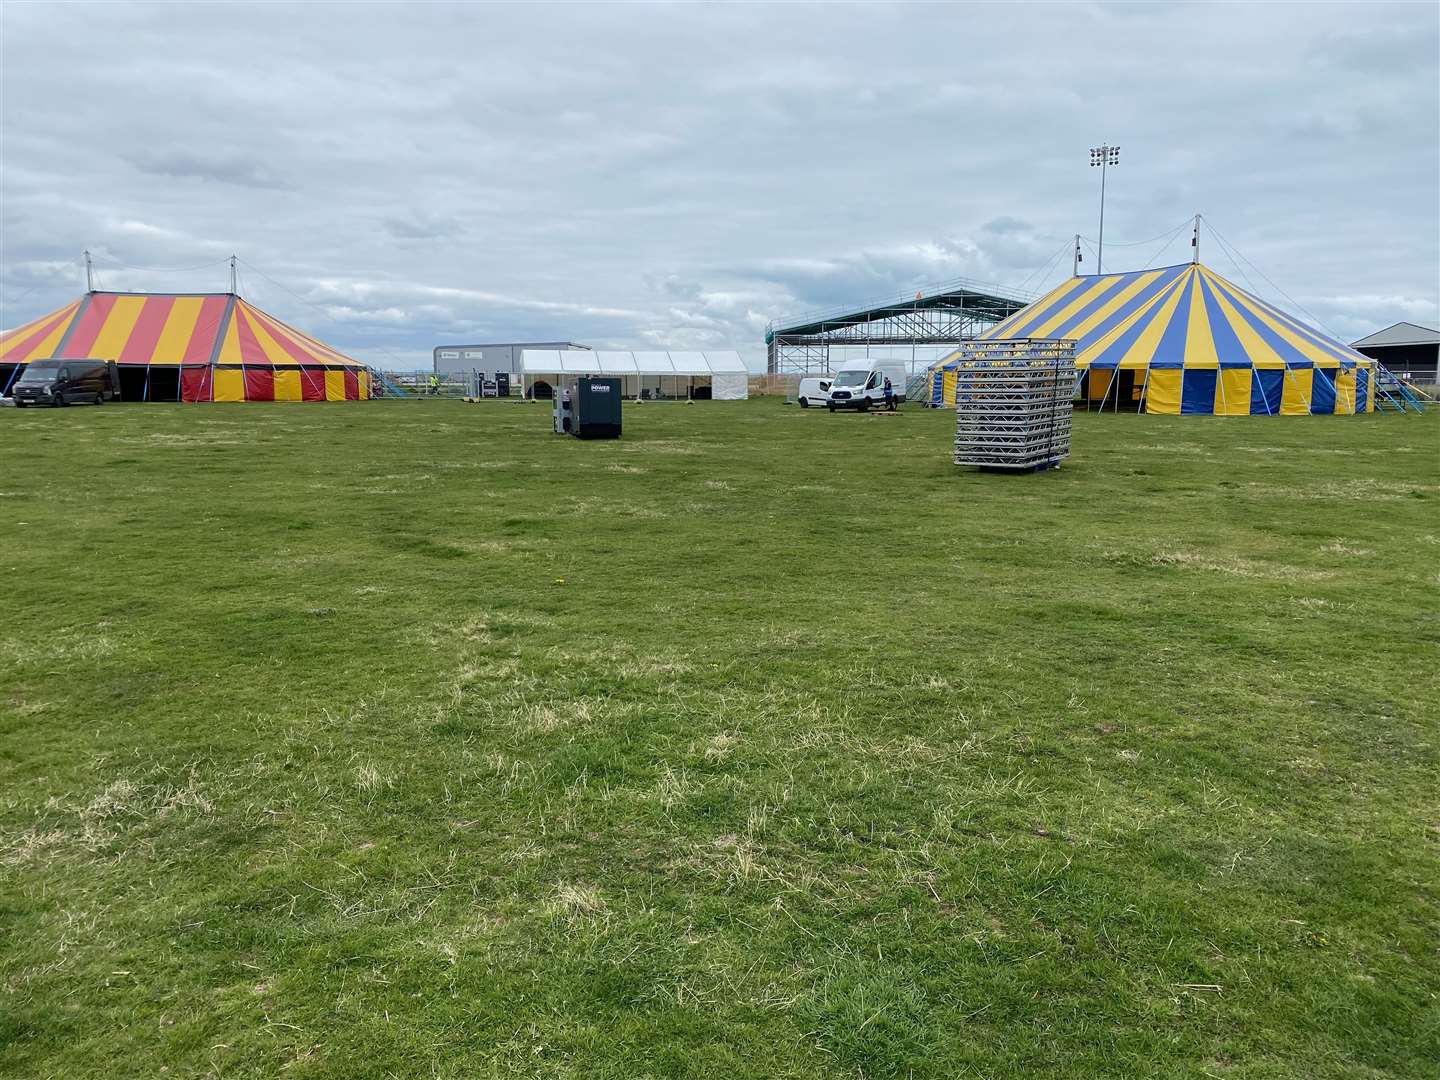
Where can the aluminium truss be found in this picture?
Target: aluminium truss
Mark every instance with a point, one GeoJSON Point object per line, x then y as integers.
{"type": "Point", "coordinates": [953, 313]}
{"type": "Point", "coordinates": [1013, 403]}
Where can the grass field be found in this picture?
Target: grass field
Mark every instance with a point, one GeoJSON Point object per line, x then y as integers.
{"type": "Point", "coordinates": [412, 740]}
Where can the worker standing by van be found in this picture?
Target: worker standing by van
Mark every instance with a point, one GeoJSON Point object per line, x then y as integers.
{"type": "Point", "coordinates": [889, 394]}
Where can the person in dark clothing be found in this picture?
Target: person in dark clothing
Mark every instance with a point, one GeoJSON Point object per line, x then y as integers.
{"type": "Point", "coordinates": [889, 395]}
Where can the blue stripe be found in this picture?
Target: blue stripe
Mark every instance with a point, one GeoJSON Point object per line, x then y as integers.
{"type": "Point", "coordinates": [1266, 386]}
{"type": "Point", "coordinates": [1095, 304]}
{"type": "Point", "coordinates": [1324, 341]}
{"type": "Point", "coordinates": [1031, 318]}
{"type": "Point", "coordinates": [1322, 391]}
{"type": "Point", "coordinates": [1170, 353]}
{"type": "Point", "coordinates": [1131, 306]}
{"type": "Point", "coordinates": [1197, 391]}
{"type": "Point", "coordinates": [1291, 356]}
{"type": "Point", "coordinates": [1112, 353]}
{"type": "Point", "coordinates": [1227, 346]}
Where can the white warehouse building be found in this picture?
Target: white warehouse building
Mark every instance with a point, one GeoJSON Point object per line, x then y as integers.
{"type": "Point", "coordinates": [646, 376]}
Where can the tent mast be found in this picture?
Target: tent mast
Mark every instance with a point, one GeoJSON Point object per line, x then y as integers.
{"type": "Point", "coordinates": [1075, 261]}
{"type": "Point", "coordinates": [1195, 242]}
{"type": "Point", "coordinates": [233, 289]}
{"type": "Point", "coordinates": [89, 273]}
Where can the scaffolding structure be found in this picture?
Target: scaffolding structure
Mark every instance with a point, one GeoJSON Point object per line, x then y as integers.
{"type": "Point", "coordinates": [1013, 403]}
{"type": "Point", "coordinates": [952, 313]}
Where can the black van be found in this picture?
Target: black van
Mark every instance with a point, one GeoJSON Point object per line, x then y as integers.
{"type": "Point", "coordinates": [66, 382]}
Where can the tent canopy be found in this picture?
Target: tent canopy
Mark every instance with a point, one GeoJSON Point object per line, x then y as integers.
{"type": "Point", "coordinates": [1182, 339]}
{"type": "Point", "coordinates": [555, 362]}
{"type": "Point", "coordinates": [167, 328]}
{"type": "Point", "coordinates": [1184, 316]}
{"type": "Point", "coordinates": [201, 346]}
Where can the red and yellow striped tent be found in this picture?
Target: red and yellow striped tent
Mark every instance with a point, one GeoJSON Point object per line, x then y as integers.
{"type": "Point", "coordinates": [187, 347]}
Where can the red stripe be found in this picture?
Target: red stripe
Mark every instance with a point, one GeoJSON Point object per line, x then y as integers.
{"type": "Point", "coordinates": [296, 352]}
{"type": "Point", "coordinates": [20, 347]}
{"type": "Point", "coordinates": [352, 386]}
{"type": "Point", "coordinates": [195, 384]}
{"type": "Point", "coordinates": [139, 347]}
{"type": "Point", "coordinates": [310, 350]}
{"type": "Point", "coordinates": [88, 328]}
{"type": "Point", "coordinates": [250, 350]}
{"type": "Point", "coordinates": [259, 384]}
{"type": "Point", "coordinates": [312, 384]}
{"type": "Point", "coordinates": [202, 339]}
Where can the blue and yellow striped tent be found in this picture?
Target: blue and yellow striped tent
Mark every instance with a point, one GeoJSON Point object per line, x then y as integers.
{"type": "Point", "coordinates": [1184, 340]}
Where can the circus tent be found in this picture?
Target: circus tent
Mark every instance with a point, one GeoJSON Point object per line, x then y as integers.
{"type": "Point", "coordinates": [1182, 339]}
{"type": "Point", "coordinates": [187, 347]}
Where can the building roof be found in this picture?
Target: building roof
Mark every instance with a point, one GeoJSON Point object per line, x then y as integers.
{"type": "Point", "coordinates": [1402, 333]}
{"type": "Point", "coordinates": [180, 329]}
{"type": "Point", "coordinates": [656, 362]}
{"type": "Point", "coordinates": [1184, 316]}
{"type": "Point", "coordinates": [517, 345]}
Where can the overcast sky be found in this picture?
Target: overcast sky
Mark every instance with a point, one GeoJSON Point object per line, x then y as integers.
{"type": "Point", "coordinates": [637, 176]}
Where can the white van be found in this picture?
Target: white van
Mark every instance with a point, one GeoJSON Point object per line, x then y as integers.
{"type": "Point", "coordinates": [814, 392]}
{"type": "Point", "coordinates": [862, 385]}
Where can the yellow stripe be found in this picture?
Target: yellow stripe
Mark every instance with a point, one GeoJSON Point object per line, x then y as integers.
{"type": "Point", "coordinates": [1034, 310]}
{"type": "Point", "coordinates": [230, 351]}
{"type": "Point", "coordinates": [273, 350]}
{"type": "Point", "coordinates": [229, 385]}
{"type": "Point", "coordinates": [1296, 395]}
{"type": "Point", "coordinates": [1115, 303]}
{"type": "Point", "coordinates": [1093, 350]}
{"type": "Point", "coordinates": [34, 324]}
{"type": "Point", "coordinates": [176, 333]}
{"type": "Point", "coordinates": [287, 385]}
{"type": "Point", "coordinates": [1307, 349]}
{"type": "Point", "coordinates": [1232, 392]}
{"type": "Point", "coordinates": [116, 330]}
{"type": "Point", "coordinates": [323, 352]}
{"type": "Point", "coordinates": [363, 378]}
{"type": "Point", "coordinates": [1089, 296]}
{"type": "Point", "coordinates": [47, 345]}
{"type": "Point", "coordinates": [1139, 354]}
{"type": "Point", "coordinates": [334, 386]}
{"type": "Point", "coordinates": [1326, 355]}
{"type": "Point", "coordinates": [1345, 392]}
{"type": "Point", "coordinates": [1162, 391]}
{"type": "Point", "coordinates": [1199, 337]}
{"type": "Point", "coordinates": [1260, 353]}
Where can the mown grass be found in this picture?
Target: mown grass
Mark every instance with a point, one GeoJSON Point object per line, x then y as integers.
{"type": "Point", "coordinates": [412, 740]}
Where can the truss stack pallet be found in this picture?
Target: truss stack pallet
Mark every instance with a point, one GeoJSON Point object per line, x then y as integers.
{"type": "Point", "coordinates": [1013, 404]}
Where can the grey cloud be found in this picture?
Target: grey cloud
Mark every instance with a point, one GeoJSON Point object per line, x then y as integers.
{"type": "Point", "coordinates": [220, 168]}
{"type": "Point", "coordinates": [682, 174]}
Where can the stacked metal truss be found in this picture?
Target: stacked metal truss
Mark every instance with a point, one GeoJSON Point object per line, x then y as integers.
{"type": "Point", "coordinates": [1013, 403]}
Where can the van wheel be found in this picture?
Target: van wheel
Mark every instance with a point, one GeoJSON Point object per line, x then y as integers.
{"type": "Point", "coordinates": [865, 405]}
{"type": "Point", "coordinates": [832, 408]}
{"type": "Point", "coordinates": [59, 401]}
{"type": "Point", "coordinates": [99, 399]}
{"type": "Point", "coordinates": [804, 403]}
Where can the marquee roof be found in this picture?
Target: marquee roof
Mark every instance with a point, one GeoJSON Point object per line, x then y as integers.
{"type": "Point", "coordinates": [1183, 316]}
{"type": "Point", "coordinates": [603, 362]}
{"type": "Point", "coordinates": [180, 329]}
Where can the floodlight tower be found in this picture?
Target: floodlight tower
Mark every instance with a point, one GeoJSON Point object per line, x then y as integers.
{"type": "Point", "coordinates": [1102, 156]}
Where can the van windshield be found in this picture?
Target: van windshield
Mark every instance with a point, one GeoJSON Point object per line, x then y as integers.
{"type": "Point", "coordinates": [39, 371]}
{"type": "Point", "coordinates": [851, 378]}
